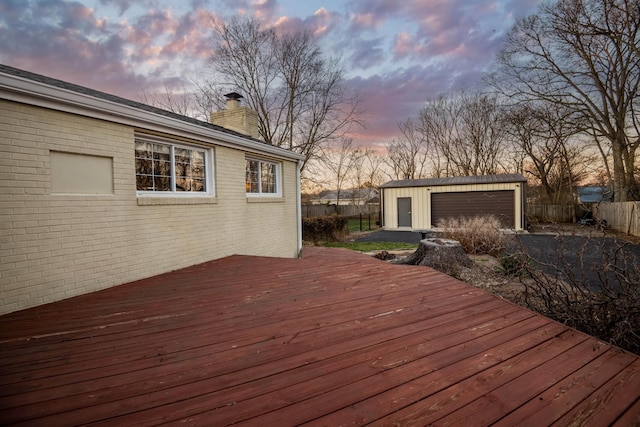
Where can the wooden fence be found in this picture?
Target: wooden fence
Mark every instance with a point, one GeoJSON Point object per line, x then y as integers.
{"type": "Point", "coordinates": [620, 216]}
{"type": "Point", "coordinates": [553, 213]}
{"type": "Point", "coordinates": [345, 210]}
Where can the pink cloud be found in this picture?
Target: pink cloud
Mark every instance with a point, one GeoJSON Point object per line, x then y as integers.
{"type": "Point", "coordinates": [405, 46]}
{"type": "Point", "coordinates": [264, 9]}
{"type": "Point", "coordinates": [366, 20]}
{"type": "Point", "coordinates": [322, 20]}
{"type": "Point", "coordinates": [115, 57]}
{"type": "Point", "coordinates": [392, 98]}
{"type": "Point", "coordinates": [148, 28]}
{"type": "Point", "coordinates": [441, 15]}
{"type": "Point", "coordinates": [319, 24]}
{"type": "Point", "coordinates": [191, 37]}
{"type": "Point", "coordinates": [451, 30]}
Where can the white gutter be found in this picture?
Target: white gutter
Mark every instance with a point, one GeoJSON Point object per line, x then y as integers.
{"type": "Point", "coordinates": [27, 91]}
{"type": "Point", "coordinates": [299, 208]}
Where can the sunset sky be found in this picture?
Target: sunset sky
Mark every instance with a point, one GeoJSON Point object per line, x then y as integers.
{"type": "Point", "coordinates": [397, 54]}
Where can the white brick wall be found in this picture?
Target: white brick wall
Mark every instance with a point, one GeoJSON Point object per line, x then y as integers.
{"type": "Point", "coordinates": [57, 246]}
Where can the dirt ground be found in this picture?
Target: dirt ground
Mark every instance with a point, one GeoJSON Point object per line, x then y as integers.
{"type": "Point", "coordinates": [486, 273]}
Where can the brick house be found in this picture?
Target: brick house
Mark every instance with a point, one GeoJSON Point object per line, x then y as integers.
{"type": "Point", "coordinates": [97, 191]}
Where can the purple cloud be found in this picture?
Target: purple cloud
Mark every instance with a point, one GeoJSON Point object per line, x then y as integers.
{"type": "Point", "coordinates": [367, 53]}
{"type": "Point", "coordinates": [392, 98]}
{"type": "Point", "coordinates": [67, 40]}
{"type": "Point", "coordinates": [371, 14]}
{"type": "Point", "coordinates": [397, 54]}
{"type": "Point", "coordinates": [520, 8]}
{"type": "Point", "coordinates": [121, 5]}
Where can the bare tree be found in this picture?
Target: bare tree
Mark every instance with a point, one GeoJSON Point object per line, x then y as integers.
{"type": "Point", "coordinates": [365, 174]}
{"type": "Point", "coordinates": [339, 163]}
{"type": "Point", "coordinates": [298, 92]}
{"type": "Point", "coordinates": [408, 156]}
{"type": "Point", "coordinates": [466, 132]}
{"type": "Point", "coordinates": [437, 124]}
{"type": "Point", "coordinates": [373, 163]}
{"type": "Point", "coordinates": [179, 101]}
{"type": "Point", "coordinates": [582, 54]}
{"type": "Point", "coordinates": [555, 155]}
{"type": "Point", "coordinates": [197, 99]}
{"type": "Point", "coordinates": [481, 133]}
{"type": "Point", "coordinates": [358, 175]}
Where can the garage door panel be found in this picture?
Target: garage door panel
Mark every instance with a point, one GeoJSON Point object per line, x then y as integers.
{"type": "Point", "coordinates": [472, 203]}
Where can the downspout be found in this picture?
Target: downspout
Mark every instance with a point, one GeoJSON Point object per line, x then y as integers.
{"type": "Point", "coordinates": [380, 208]}
{"type": "Point", "coordinates": [299, 209]}
{"type": "Point", "coordinates": [525, 219]}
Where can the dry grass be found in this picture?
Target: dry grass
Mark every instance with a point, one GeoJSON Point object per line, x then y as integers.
{"type": "Point", "coordinates": [477, 235]}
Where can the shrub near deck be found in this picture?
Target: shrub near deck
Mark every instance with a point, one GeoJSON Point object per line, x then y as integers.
{"type": "Point", "coordinates": [324, 228]}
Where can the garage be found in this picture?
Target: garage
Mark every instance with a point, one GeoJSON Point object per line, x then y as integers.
{"type": "Point", "coordinates": [419, 204]}
{"type": "Point", "coordinates": [500, 203]}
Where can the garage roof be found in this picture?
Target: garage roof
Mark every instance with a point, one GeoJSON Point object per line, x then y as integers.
{"type": "Point", "coordinates": [455, 180]}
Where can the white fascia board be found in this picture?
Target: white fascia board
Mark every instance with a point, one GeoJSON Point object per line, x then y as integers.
{"type": "Point", "coordinates": [18, 89]}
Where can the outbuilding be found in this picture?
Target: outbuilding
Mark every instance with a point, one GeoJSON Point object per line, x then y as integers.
{"type": "Point", "coordinates": [418, 204]}
{"type": "Point", "coordinates": [98, 190]}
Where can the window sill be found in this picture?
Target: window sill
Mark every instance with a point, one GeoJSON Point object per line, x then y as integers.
{"type": "Point", "coordinates": [152, 201]}
{"type": "Point", "coordinates": [265, 199]}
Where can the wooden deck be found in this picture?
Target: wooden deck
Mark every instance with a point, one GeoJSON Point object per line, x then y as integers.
{"type": "Point", "coordinates": [335, 338]}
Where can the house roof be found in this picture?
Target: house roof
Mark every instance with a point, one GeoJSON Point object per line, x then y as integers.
{"type": "Point", "coordinates": [35, 89]}
{"type": "Point", "coordinates": [594, 194]}
{"type": "Point", "coordinates": [456, 180]}
{"type": "Point", "coordinates": [360, 193]}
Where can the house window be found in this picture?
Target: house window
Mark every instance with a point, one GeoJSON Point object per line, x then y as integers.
{"type": "Point", "coordinates": [169, 168]}
{"type": "Point", "coordinates": [262, 177]}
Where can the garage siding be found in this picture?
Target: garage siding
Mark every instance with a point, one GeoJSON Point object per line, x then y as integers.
{"type": "Point", "coordinates": [504, 198]}
{"type": "Point", "coordinates": [419, 207]}
{"type": "Point", "coordinates": [472, 203]}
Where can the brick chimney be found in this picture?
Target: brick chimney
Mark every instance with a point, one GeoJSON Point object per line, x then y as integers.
{"type": "Point", "coordinates": [236, 117]}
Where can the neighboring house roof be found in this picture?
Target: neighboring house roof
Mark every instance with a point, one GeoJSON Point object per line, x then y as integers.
{"type": "Point", "coordinates": [358, 193]}
{"type": "Point", "coordinates": [35, 89]}
{"type": "Point", "coordinates": [456, 180]}
{"type": "Point", "coordinates": [594, 194]}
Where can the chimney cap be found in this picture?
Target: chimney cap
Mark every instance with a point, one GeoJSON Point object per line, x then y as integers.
{"type": "Point", "coordinates": [234, 95]}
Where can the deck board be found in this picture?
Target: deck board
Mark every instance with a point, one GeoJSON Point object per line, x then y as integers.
{"type": "Point", "coordinates": [334, 338]}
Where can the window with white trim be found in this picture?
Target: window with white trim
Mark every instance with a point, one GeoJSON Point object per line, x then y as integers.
{"type": "Point", "coordinates": [262, 177]}
{"type": "Point", "coordinates": [170, 169]}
